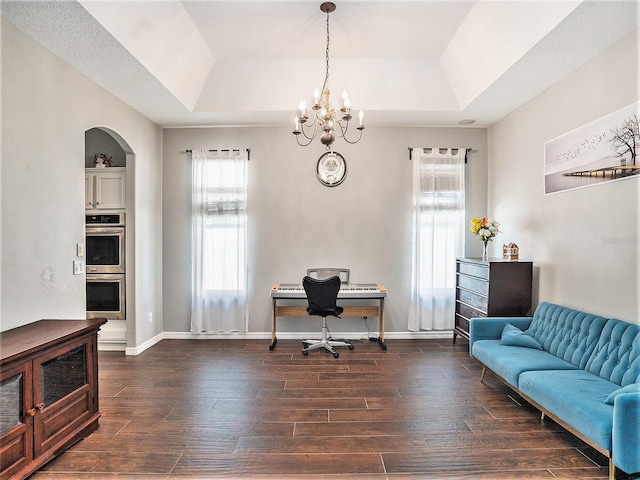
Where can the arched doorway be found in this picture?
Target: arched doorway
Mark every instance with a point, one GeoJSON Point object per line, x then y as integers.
{"type": "Point", "coordinates": [109, 198]}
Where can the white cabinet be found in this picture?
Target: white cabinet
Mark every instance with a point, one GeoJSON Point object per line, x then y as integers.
{"type": "Point", "coordinates": [104, 188]}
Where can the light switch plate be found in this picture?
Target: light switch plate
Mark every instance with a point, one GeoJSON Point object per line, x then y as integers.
{"type": "Point", "coordinates": [78, 267]}
{"type": "Point", "coordinates": [79, 249]}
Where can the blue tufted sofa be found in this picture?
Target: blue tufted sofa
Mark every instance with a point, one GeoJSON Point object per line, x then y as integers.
{"type": "Point", "coordinates": [580, 369]}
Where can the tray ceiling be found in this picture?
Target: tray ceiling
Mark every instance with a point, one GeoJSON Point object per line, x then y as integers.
{"type": "Point", "coordinates": [405, 63]}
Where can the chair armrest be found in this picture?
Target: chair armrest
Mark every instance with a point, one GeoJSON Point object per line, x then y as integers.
{"type": "Point", "coordinates": [490, 328]}
{"type": "Point", "coordinates": [626, 432]}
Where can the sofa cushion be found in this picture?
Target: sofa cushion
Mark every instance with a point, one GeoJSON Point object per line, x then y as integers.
{"type": "Point", "coordinates": [631, 388]}
{"type": "Point", "coordinates": [576, 397]}
{"type": "Point", "coordinates": [569, 334]}
{"type": "Point", "coordinates": [509, 362]}
{"type": "Point", "coordinates": [517, 338]}
{"type": "Point", "coordinates": [616, 356]}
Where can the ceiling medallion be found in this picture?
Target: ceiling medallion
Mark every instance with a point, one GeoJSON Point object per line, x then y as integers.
{"type": "Point", "coordinates": [331, 169]}
{"type": "Point", "coordinates": [324, 119]}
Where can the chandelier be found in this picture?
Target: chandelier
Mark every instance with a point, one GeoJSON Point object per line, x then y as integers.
{"type": "Point", "coordinates": [325, 119]}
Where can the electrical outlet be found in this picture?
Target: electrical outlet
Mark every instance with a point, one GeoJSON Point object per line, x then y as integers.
{"type": "Point", "coordinates": [78, 267]}
{"type": "Point", "coordinates": [150, 317]}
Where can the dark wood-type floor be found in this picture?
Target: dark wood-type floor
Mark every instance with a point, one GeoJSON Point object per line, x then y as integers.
{"type": "Point", "coordinates": [198, 409]}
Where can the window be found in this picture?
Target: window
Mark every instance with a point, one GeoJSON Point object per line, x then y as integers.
{"type": "Point", "coordinates": [438, 236]}
{"type": "Point", "coordinates": [219, 241]}
{"type": "Point", "coordinates": [224, 249]}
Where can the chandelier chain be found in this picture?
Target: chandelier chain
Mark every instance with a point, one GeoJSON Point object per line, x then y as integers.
{"type": "Point", "coordinates": [325, 87]}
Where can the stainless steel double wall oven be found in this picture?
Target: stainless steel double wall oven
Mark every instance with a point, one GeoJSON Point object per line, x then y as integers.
{"type": "Point", "coordinates": [105, 259]}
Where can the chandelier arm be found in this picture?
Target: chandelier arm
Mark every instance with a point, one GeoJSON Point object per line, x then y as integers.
{"type": "Point", "coordinates": [343, 128]}
{"type": "Point", "coordinates": [313, 135]}
{"type": "Point", "coordinates": [354, 141]}
{"type": "Point", "coordinates": [313, 124]}
{"type": "Point", "coordinates": [303, 144]}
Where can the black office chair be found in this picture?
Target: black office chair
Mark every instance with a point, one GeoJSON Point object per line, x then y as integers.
{"type": "Point", "coordinates": [322, 296]}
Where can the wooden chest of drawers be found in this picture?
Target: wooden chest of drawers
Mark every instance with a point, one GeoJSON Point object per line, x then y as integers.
{"type": "Point", "coordinates": [493, 288]}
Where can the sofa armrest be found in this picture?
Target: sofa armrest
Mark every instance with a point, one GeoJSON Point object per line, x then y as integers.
{"type": "Point", "coordinates": [490, 328]}
{"type": "Point", "coordinates": [626, 432]}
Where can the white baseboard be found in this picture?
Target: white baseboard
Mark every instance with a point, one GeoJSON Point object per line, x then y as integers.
{"type": "Point", "coordinates": [111, 346]}
{"type": "Point", "coordinates": [141, 348]}
{"type": "Point", "coordinates": [302, 335]}
{"type": "Point", "coordinates": [120, 346]}
{"type": "Point", "coordinates": [112, 336]}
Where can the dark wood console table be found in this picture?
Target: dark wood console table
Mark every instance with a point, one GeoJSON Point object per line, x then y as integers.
{"type": "Point", "coordinates": [48, 391]}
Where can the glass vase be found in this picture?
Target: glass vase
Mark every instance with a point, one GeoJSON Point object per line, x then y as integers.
{"type": "Point", "coordinates": [485, 255]}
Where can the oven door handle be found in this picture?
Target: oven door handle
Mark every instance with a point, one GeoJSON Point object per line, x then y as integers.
{"type": "Point", "coordinates": [104, 230]}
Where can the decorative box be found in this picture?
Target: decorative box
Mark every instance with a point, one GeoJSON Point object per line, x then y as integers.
{"type": "Point", "coordinates": [510, 252]}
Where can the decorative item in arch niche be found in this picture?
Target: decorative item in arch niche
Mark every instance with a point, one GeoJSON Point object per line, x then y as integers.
{"type": "Point", "coordinates": [331, 169]}
{"type": "Point", "coordinates": [100, 160]}
{"type": "Point", "coordinates": [602, 151]}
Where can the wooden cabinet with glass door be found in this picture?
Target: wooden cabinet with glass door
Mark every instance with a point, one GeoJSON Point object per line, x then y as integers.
{"type": "Point", "coordinates": [48, 391]}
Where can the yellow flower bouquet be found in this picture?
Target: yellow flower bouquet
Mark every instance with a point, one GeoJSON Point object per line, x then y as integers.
{"type": "Point", "coordinates": [485, 229]}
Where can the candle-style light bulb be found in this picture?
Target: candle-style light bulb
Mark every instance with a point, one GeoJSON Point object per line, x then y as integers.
{"type": "Point", "coordinates": [316, 96]}
{"type": "Point", "coordinates": [361, 116]}
{"type": "Point", "coordinates": [303, 107]}
{"type": "Point", "coordinates": [297, 124]}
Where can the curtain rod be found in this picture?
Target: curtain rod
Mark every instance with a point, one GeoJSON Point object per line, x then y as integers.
{"type": "Point", "coordinates": [467, 150]}
{"type": "Point", "coordinates": [227, 150]}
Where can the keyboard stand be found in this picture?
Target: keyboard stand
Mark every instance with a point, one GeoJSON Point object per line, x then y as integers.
{"type": "Point", "coordinates": [364, 311]}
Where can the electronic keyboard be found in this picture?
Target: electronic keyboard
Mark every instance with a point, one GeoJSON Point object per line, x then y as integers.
{"type": "Point", "coordinates": [355, 290]}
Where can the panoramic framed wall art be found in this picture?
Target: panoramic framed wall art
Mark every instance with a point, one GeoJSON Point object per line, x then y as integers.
{"type": "Point", "coordinates": [604, 150]}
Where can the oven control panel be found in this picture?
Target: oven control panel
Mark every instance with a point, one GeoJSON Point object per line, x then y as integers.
{"type": "Point", "coordinates": [111, 219]}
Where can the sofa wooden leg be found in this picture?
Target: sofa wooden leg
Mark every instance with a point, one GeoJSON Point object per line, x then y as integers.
{"type": "Point", "coordinates": [542, 416]}
{"type": "Point", "coordinates": [484, 372]}
{"type": "Point", "coordinates": [612, 469]}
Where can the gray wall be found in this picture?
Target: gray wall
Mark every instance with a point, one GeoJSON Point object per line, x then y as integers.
{"type": "Point", "coordinates": [585, 242]}
{"type": "Point", "coordinates": [46, 108]}
{"type": "Point", "coordinates": [295, 223]}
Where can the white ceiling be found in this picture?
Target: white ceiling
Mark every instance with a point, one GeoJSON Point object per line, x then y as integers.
{"type": "Point", "coordinates": [418, 63]}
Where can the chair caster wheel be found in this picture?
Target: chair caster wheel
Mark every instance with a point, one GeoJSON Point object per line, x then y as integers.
{"type": "Point", "coordinates": [305, 352]}
{"type": "Point", "coordinates": [336, 355]}
{"type": "Point", "coordinates": [351, 347]}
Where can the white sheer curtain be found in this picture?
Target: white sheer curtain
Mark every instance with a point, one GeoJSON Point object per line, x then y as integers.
{"type": "Point", "coordinates": [438, 236]}
{"type": "Point", "coordinates": [219, 241]}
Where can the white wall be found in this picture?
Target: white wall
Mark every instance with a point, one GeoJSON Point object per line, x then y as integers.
{"type": "Point", "coordinates": [584, 243]}
{"type": "Point", "coordinates": [46, 108]}
{"type": "Point", "coordinates": [295, 223]}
